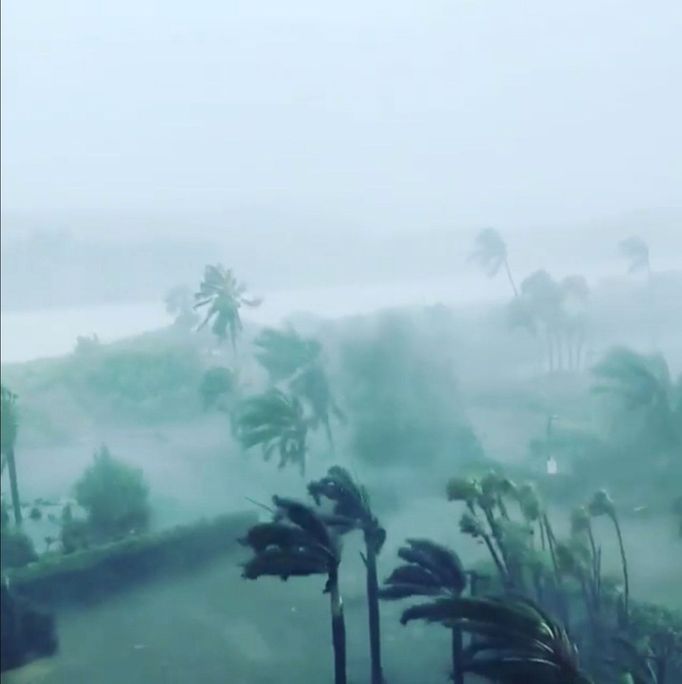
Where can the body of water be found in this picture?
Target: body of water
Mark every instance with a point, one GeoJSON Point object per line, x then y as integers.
{"type": "Point", "coordinates": [41, 333]}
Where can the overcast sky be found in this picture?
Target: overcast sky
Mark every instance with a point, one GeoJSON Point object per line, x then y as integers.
{"type": "Point", "coordinates": [381, 113]}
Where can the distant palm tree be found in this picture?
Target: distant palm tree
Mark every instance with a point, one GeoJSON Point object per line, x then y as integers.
{"type": "Point", "coordinates": [490, 252]}
{"type": "Point", "coordinates": [352, 510]}
{"type": "Point", "coordinates": [223, 297]}
{"type": "Point", "coordinates": [284, 352]}
{"type": "Point", "coordinates": [644, 384]}
{"type": "Point", "coordinates": [8, 438]}
{"type": "Point", "coordinates": [574, 301]}
{"type": "Point", "coordinates": [179, 304]}
{"type": "Point", "coordinates": [430, 570]}
{"type": "Point", "coordinates": [299, 544]}
{"type": "Point", "coordinates": [636, 252]}
{"type": "Point", "coordinates": [517, 642]}
{"type": "Point", "coordinates": [276, 422]}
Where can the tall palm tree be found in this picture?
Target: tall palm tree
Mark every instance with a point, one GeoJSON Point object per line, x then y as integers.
{"type": "Point", "coordinates": [575, 296]}
{"type": "Point", "coordinates": [430, 570]}
{"type": "Point", "coordinates": [299, 544]}
{"type": "Point", "coordinates": [490, 252]}
{"type": "Point", "coordinates": [643, 384]}
{"type": "Point", "coordinates": [274, 421]}
{"type": "Point", "coordinates": [352, 510]}
{"type": "Point", "coordinates": [222, 296]}
{"type": "Point", "coordinates": [8, 438]}
{"type": "Point", "coordinates": [517, 642]}
{"type": "Point", "coordinates": [601, 504]}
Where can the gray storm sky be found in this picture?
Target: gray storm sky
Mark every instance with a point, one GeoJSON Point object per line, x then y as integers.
{"type": "Point", "coordinates": [507, 112]}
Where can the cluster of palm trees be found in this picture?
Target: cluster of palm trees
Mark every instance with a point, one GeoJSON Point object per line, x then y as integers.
{"type": "Point", "coordinates": [298, 397]}
{"type": "Point", "coordinates": [511, 639]}
{"type": "Point", "coordinates": [556, 310]}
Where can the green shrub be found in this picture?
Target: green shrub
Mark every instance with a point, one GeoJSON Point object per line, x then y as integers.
{"type": "Point", "coordinates": [114, 495]}
{"type": "Point", "coordinates": [16, 548]}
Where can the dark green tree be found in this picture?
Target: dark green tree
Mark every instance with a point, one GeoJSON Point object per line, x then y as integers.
{"type": "Point", "coordinates": [430, 569]}
{"type": "Point", "coordinates": [516, 641]}
{"type": "Point", "coordinates": [352, 510]}
{"type": "Point", "coordinates": [276, 422]}
{"type": "Point", "coordinates": [298, 544]}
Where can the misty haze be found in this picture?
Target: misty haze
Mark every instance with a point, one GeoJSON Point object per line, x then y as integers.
{"type": "Point", "coordinates": [341, 343]}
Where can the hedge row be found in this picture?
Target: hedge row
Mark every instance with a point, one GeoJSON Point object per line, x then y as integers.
{"type": "Point", "coordinates": [94, 573]}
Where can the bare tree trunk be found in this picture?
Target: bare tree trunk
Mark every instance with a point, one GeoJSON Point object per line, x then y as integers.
{"type": "Point", "coordinates": [510, 278]}
{"type": "Point", "coordinates": [338, 629]}
{"type": "Point", "coordinates": [14, 486]}
{"type": "Point", "coordinates": [457, 648]}
{"type": "Point", "coordinates": [373, 614]}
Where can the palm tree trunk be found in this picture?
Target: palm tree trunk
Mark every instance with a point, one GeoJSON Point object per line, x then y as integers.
{"type": "Point", "coordinates": [373, 614]}
{"type": "Point", "coordinates": [510, 278]}
{"type": "Point", "coordinates": [624, 564]}
{"type": "Point", "coordinates": [338, 629]}
{"type": "Point", "coordinates": [14, 487]}
{"type": "Point", "coordinates": [457, 648]}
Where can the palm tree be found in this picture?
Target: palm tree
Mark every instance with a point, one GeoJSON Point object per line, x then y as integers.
{"type": "Point", "coordinates": [352, 510]}
{"type": "Point", "coordinates": [601, 504]}
{"type": "Point", "coordinates": [289, 358]}
{"type": "Point", "coordinates": [430, 570]}
{"type": "Point", "coordinates": [276, 422]}
{"type": "Point", "coordinates": [636, 252]}
{"type": "Point", "coordinates": [575, 295]}
{"type": "Point", "coordinates": [284, 352]}
{"type": "Point", "coordinates": [299, 544]}
{"type": "Point", "coordinates": [179, 304]}
{"type": "Point", "coordinates": [490, 252]}
{"type": "Point", "coordinates": [8, 438]}
{"type": "Point", "coordinates": [517, 642]}
{"type": "Point", "coordinates": [223, 297]}
{"type": "Point", "coordinates": [543, 299]}
{"type": "Point", "coordinates": [643, 384]}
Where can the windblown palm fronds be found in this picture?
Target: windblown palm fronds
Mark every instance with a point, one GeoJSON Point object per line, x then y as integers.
{"type": "Point", "coordinates": [276, 422]}
{"type": "Point", "coordinates": [351, 510]}
{"type": "Point", "coordinates": [283, 352]}
{"type": "Point", "coordinates": [223, 297]}
{"type": "Point", "coordinates": [430, 570]}
{"type": "Point", "coordinates": [297, 543]}
{"type": "Point", "coordinates": [490, 252]}
{"type": "Point", "coordinates": [516, 642]}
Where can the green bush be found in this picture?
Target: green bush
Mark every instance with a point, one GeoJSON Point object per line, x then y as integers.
{"type": "Point", "coordinates": [16, 548]}
{"type": "Point", "coordinates": [114, 495]}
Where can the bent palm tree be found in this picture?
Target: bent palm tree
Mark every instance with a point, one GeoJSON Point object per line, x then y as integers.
{"type": "Point", "coordinates": [490, 252]}
{"type": "Point", "coordinates": [8, 438]}
{"type": "Point", "coordinates": [430, 570]}
{"type": "Point", "coordinates": [288, 357]}
{"type": "Point", "coordinates": [298, 544]}
{"type": "Point", "coordinates": [643, 383]}
{"type": "Point", "coordinates": [636, 252]}
{"type": "Point", "coordinates": [223, 297]}
{"type": "Point", "coordinates": [352, 511]}
{"type": "Point", "coordinates": [276, 422]}
{"type": "Point", "coordinates": [517, 641]}
{"type": "Point", "coordinates": [283, 352]}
